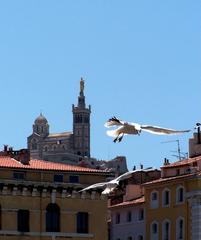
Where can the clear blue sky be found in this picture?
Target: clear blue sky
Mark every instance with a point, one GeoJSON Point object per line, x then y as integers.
{"type": "Point", "coordinates": [141, 61]}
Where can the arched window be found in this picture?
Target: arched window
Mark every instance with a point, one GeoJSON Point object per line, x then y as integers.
{"type": "Point", "coordinates": [154, 231]}
{"type": "Point", "coordinates": [54, 147]}
{"type": "Point", "coordinates": [46, 148]}
{"type": "Point", "coordinates": [166, 197]}
{"type": "Point", "coordinates": [141, 214]}
{"type": "Point", "coordinates": [129, 216]}
{"type": "Point", "coordinates": [52, 218]}
{"type": "Point", "coordinates": [166, 230]}
{"type": "Point", "coordinates": [154, 199]}
{"type": "Point", "coordinates": [117, 218]}
{"type": "Point", "coordinates": [180, 228]}
{"type": "Point", "coordinates": [180, 194]}
{"type": "Point", "coordinates": [140, 237]}
{"type": "Point", "coordinates": [82, 222]}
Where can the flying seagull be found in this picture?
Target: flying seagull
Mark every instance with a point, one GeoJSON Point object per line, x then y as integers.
{"type": "Point", "coordinates": [108, 187]}
{"type": "Point", "coordinates": [135, 129]}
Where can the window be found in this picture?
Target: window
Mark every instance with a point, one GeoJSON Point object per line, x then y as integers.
{"type": "Point", "coordinates": [140, 237]}
{"type": "Point", "coordinates": [46, 148]}
{"type": "Point", "coordinates": [154, 228]}
{"type": "Point", "coordinates": [154, 231]}
{"type": "Point", "coordinates": [52, 218]}
{"type": "Point", "coordinates": [180, 194]}
{"type": "Point", "coordinates": [82, 222]}
{"type": "Point", "coordinates": [166, 197]}
{"type": "Point", "coordinates": [154, 196]}
{"type": "Point", "coordinates": [18, 175]}
{"type": "Point", "coordinates": [74, 179]}
{"type": "Point", "coordinates": [129, 216]}
{"type": "Point", "coordinates": [23, 220]}
{"type": "Point", "coordinates": [117, 219]}
{"type": "Point", "coordinates": [166, 230]}
{"type": "Point", "coordinates": [154, 199]}
{"type": "Point", "coordinates": [58, 178]}
{"type": "Point", "coordinates": [180, 229]}
{"type": "Point", "coordinates": [141, 214]}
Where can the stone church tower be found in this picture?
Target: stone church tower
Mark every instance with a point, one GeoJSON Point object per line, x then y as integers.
{"type": "Point", "coordinates": [67, 147]}
{"type": "Point", "coordinates": [81, 125]}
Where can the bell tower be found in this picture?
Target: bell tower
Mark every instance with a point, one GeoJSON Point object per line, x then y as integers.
{"type": "Point", "coordinates": [81, 124]}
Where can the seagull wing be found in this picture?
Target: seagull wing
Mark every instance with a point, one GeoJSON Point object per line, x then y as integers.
{"type": "Point", "coordinates": [94, 186]}
{"type": "Point", "coordinates": [161, 131]}
{"type": "Point", "coordinates": [113, 122]}
{"type": "Point", "coordinates": [124, 176]}
{"type": "Point", "coordinates": [116, 132]}
{"type": "Point", "coordinates": [110, 187]}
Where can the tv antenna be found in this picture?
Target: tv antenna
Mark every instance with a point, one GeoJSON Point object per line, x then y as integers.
{"type": "Point", "coordinates": [178, 149]}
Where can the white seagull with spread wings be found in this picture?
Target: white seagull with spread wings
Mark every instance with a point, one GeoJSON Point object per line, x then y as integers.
{"type": "Point", "coordinates": [111, 185]}
{"type": "Point", "coordinates": [135, 129]}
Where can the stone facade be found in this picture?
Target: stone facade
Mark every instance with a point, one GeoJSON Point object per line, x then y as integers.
{"type": "Point", "coordinates": [66, 146]}
{"type": "Point", "coordinates": [71, 147]}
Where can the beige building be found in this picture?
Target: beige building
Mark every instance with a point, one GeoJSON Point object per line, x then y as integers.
{"type": "Point", "coordinates": [39, 200]}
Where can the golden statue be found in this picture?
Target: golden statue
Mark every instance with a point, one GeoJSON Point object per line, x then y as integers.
{"type": "Point", "coordinates": [81, 85]}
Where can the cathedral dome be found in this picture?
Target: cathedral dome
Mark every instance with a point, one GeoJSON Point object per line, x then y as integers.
{"type": "Point", "coordinates": [41, 119]}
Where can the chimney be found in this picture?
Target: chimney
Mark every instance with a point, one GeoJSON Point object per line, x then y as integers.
{"type": "Point", "coordinates": [5, 148]}
{"type": "Point", "coordinates": [198, 134]}
{"type": "Point", "coordinates": [166, 161]}
{"type": "Point", "coordinates": [23, 156]}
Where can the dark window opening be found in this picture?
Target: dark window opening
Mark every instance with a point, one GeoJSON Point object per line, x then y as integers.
{"type": "Point", "coordinates": [52, 218]}
{"type": "Point", "coordinates": [23, 220]}
{"type": "Point", "coordinates": [129, 217]}
{"type": "Point", "coordinates": [167, 226]}
{"type": "Point", "coordinates": [58, 178]}
{"type": "Point", "coordinates": [19, 175]}
{"type": "Point", "coordinates": [154, 196]}
{"type": "Point", "coordinates": [141, 214]}
{"type": "Point", "coordinates": [154, 228]}
{"type": "Point", "coordinates": [181, 223]}
{"type": "Point", "coordinates": [180, 194]}
{"type": "Point", "coordinates": [117, 218]}
{"type": "Point", "coordinates": [74, 179]}
{"type": "Point", "coordinates": [166, 198]}
{"type": "Point", "coordinates": [82, 222]}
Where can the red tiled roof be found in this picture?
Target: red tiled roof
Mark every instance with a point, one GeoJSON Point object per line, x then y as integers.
{"type": "Point", "coordinates": [8, 162]}
{"type": "Point", "coordinates": [161, 180]}
{"type": "Point", "coordinates": [182, 162]}
{"type": "Point", "coordinates": [129, 203]}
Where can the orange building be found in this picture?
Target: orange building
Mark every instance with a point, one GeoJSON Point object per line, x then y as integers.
{"type": "Point", "coordinates": [40, 200]}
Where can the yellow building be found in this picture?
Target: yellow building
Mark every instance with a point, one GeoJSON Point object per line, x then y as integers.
{"type": "Point", "coordinates": [39, 200]}
{"type": "Point", "coordinates": [173, 202]}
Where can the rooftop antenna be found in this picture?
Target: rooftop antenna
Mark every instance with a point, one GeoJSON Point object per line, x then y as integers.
{"type": "Point", "coordinates": [178, 148]}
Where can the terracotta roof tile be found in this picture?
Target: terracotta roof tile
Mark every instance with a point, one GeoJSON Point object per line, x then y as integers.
{"type": "Point", "coordinates": [8, 162]}
{"type": "Point", "coordinates": [182, 162]}
{"type": "Point", "coordinates": [161, 180]}
{"type": "Point", "coordinates": [129, 203]}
